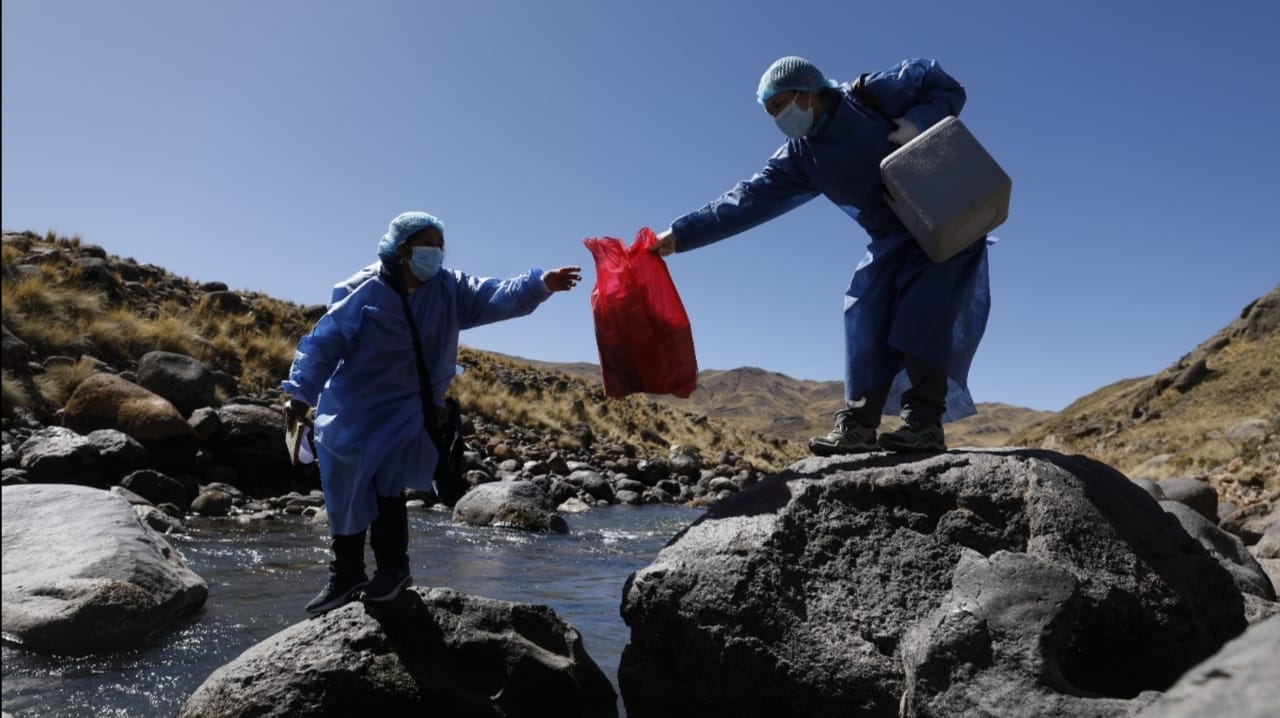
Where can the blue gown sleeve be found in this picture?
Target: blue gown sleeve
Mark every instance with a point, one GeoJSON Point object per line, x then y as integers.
{"type": "Point", "coordinates": [777, 189]}
{"type": "Point", "coordinates": [319, 352]}
{"type": "Point", "coordinates": [488, 300]}
{"type": "Point", "coordinates": [918, 90]}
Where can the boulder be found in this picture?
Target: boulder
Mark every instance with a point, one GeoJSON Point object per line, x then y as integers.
{"type": "Point", "coordinates": [1252, 521]}
{"type": "Point", "coordinates": [118, 453]}
{"type": "Point", "coordinates": [14, 353]}
{"type": "Point", "coordinates": [1269, 545]}
{"type": "Point", "coordinates": [250, 439]}
{"type": "Point", "coordinates": [83, 574]}
{"type": "Point", "coordinates": [1228, 550]}
{"type": "Point", "coordinates": [95, 272]}
{"type": "Point", "coordinates": [157, 487]}
{"type": "Point", "coordinates": [1023, 582]}
{"type": "Point", "coordinates": [509, 504]}
{"type": "Point", "coordinates": [212, 502]}
{"type": "Point", "coordinates": [59, 455]}
{"type": "Point", "coordinates": [1192, 492]}
{"type": "Point", "coordinates": [1239, 681]}
{"type": "Point", "coordinates": [159, 521]}
{"type": "Point", "coordinates": [185, 381]}
{"type": "Point", "coordinates": [107, 401]}
{"type": "Point", "coordinates": [429, 652]}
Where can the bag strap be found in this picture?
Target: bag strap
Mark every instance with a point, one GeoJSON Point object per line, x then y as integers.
{"type": "Point", "coordinates": [424, 378]}
{"type": "Point", "coordinates": [860, 89]}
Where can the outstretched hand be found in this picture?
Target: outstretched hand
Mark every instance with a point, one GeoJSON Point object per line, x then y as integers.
{"type": "Point", "coordinates": [665, 245]}
{"type": "Point", "coordinates": [295, 409]}
{"type": "Point", "coordinates": [562, 279]}
{"type": "Point", "coordinates": [905, 132]}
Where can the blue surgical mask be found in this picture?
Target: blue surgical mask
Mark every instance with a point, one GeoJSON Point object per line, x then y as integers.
{"type": "Point", "coordinates": [793, 121]}
{"type": "Point", "coordinates": [424, 262]}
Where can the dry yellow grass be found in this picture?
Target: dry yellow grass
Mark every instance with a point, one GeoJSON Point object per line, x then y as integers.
{"type": "Point", "coordinates": [59, 380]}
{"type": "Point", "coordinates": [15, 394]}
{"type": "Point", "coordinates": [508, 391]}
{"type": "Point", "coordinates": [58, 316]}
{"type": "Point", "coordinates": [1181, 433]}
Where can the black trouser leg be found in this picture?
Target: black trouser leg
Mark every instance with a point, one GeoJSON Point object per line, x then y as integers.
{"type": "Point", "coordinates": [866, 411]}
{"type": "Point", "coordinates": [924, 403]}
{"type": "Point", "coordinates": [389, 534]}
{"type": "Point", "coordinates": [348, 555]}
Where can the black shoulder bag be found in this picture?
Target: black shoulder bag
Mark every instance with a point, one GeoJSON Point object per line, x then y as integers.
{"type": "Point", "coordinates": [447, 436]}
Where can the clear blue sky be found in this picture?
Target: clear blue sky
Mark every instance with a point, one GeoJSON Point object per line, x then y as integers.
{"type": "Point", "coordinates": [267, 145]}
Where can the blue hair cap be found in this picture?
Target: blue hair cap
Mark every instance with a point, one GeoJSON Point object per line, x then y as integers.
{"type": "Point", "coordinates": [792, 73]}
{"type": "Point", "coordinates": [404, 226]}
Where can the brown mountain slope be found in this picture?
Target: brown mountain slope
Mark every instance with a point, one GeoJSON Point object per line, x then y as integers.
{"type": "Point", "coordinates": [777, 405]}
{"type": "Point", "coordinates": [1215, 413]}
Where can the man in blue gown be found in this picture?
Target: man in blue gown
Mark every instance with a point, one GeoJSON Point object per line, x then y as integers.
{"type": "Point", "coordinates": [359, 369]}
{"type": "Point", "coordinates": [911, 325]}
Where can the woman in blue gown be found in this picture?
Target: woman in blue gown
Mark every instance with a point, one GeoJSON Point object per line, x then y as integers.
{"type": "Point", "coordinates": [359, 369]}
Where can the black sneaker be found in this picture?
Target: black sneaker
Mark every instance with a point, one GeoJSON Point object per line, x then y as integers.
{"type": "Point", "coordinates": [848, 437]}
{"type": "Point", "coordinates": [912, 438]}
{"type": "Point", "coordinates": [338, 591]}
{"type": "Point", "coordinates": [386, 585]}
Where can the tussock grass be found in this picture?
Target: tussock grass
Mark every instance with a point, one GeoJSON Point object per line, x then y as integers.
{"type": "Point", "coordinates": [45, 300]}
{"type": "Point", "coordinates": [58, 382]}
{"type": "Point", "coordinates": [15, 395]}
{"type": "Point", "coordinates": [121, 335]}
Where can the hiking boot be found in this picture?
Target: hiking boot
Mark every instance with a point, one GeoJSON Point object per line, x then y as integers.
{"type": "Point", "coordinates": [387, 584]}
{"type": "Point", "coordinates": [338, 591]}
{"type": "Point", "coordinates": [914, 437]}
{"type": "Point", "coordinates": [848, 437]}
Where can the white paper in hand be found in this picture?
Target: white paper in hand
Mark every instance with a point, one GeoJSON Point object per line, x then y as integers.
{"type": "Point", "coordinates": [298, 439]}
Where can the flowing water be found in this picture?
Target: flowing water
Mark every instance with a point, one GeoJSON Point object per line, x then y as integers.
{"type": "Point", "coordinates": [260, 577]}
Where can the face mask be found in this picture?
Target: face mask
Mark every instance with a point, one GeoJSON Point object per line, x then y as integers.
{"type": "Point", "coordinates": [793, 121]}
{"type": "Point", "coordinates": [425, 262]}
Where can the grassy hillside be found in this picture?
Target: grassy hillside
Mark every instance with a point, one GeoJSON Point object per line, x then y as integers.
{"type": "Point", "coordinates": [1214, 413]}
{"type": "Point", "coordinates": [81, 310]}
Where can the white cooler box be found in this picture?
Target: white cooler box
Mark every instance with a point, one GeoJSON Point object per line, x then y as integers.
{"type": "Point", "coordinates": [946, 189]}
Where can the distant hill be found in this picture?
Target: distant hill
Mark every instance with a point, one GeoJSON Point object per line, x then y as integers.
{"type": "Point", "coordinates": [777, 405]}
{"type": "Point", "coordinates": [1214, 413]}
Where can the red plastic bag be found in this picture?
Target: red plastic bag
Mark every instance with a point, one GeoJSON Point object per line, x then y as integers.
{"type": "Point", "coordinates": [642, 331]}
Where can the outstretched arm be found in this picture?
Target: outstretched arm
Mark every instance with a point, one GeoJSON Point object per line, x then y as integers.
{"type": "Point", "coordinates": [777, 189]}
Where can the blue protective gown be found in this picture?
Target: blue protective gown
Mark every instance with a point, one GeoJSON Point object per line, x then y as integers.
{"type": "Point", "coordinates": [899, 302]}
{"type": "Point", "coordinates": [357, 367]}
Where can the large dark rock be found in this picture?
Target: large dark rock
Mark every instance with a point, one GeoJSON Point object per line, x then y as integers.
{"type": "Point", "coordinates": [185, 381]}
{"type": "Point", "coordinates": [1242, 680]}
{"type": "Point", "coordinates": [1228, 550]}
{"type": "Point", "coordinates": [510, 504]}
{"type": "Point", "coordinates": [1013, 583]}
{"type": "Point", "coordinates": [83, 574]}
{"type": "Point", "coordinates": [14, 353]}
{"type": "Point", "coordinates": [58, 455]}
{"type": "Point", "coordinates": [158, 488]}
{"type": "Point", "coordinates": [431, 652]}
{"type": "Point", "coordinates": [118, 453]}
{"type": "Point", "coordinates": [250, 439]}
